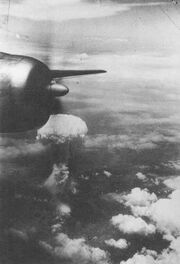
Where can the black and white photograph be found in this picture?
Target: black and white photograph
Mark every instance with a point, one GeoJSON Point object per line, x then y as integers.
{"type": "Point", "coordinates": [89, 131]}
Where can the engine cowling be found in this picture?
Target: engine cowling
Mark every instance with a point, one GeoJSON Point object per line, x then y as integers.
{"type": "Point", "coordinates": [26, 94]}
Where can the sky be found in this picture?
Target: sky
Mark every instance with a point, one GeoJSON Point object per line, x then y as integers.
{"type": "Point", "coordinates": [114, 193]}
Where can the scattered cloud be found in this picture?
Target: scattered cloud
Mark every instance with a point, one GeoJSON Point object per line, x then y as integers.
{"type": "Point", "coordinates": [132, 225]}
{"type": "Point", "coordinates": [168, 256]}
{"type": "Point", "coordinates": [173, 183]}
{"type": "Point", "coordinates": [121, 243]}
{"type": "Point", "coordinates": [108, 174]}
{"type": "Point", "coordinates": [139, 197]}
{"type": "Point", "coordinates": [141, 176]}
{"type": "Point", "coordinates": [63, 209]}
{"type": "Point", "coordinates": [136, 198]}
{"type": "Point", "coordinates": [164, 213]}
{"type": "Point", "coordinates": [77, 251]}
{"type": "Point", "coordinates": [172, 165]}
{"type": "Point", "coordinates": [141, 258]}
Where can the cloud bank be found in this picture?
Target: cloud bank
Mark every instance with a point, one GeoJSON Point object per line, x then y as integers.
{"type": "Point", "coordinates": [65, 10]}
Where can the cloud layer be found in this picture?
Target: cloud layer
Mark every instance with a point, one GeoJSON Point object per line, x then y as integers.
{"type": "Point", "coordinates": [65, 10]}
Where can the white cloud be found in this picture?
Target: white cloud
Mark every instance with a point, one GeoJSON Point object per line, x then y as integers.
{"type": "Point", "coordinates": [56, 227]}
{"type": "Point", "coordinates": [60, 128]}
{"type": "Point", "coordinates": [132, 225]}
{"type": "Point", "coordinates": [107, 173]}
{"type": "Point", "coordinates": [150, 252]}
{"type": "Point", "coordinates": [146, 256]}
{"type": "Point", "coordinates": [168, 256]}
{"type": "Point", "coordinates": [63, 209]}
{"type": "Point", "coordinates": [121, 243]}
{"type": "Point", "coordinates": [166, 214]}
{"type": "Point", "coordinates": [138, 197]}
{"type": "Point", "coordinates": [141, 176]}
{"type": "Point", "coordinates": [140, 210]}
{"type": "Point", "coordinates": [77, 251]}
{"type": "Point", "coordinates": [173, 182]}
{"type": "Point", "coordinates": [139, 259]}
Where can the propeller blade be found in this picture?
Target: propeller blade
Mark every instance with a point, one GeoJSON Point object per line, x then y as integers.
{"type": "Point", "coordinates": [67, 73]}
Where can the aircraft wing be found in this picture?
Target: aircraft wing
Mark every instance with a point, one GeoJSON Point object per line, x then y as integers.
{"type": "Point", "coordinates": [66, 73]}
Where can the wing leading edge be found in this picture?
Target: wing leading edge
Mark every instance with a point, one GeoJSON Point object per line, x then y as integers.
{"type": "Point", "coordinates": [69, 73]}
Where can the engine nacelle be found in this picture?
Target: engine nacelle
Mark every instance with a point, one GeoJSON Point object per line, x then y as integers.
{"type": "Point", "coordinates": [26, 93]}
